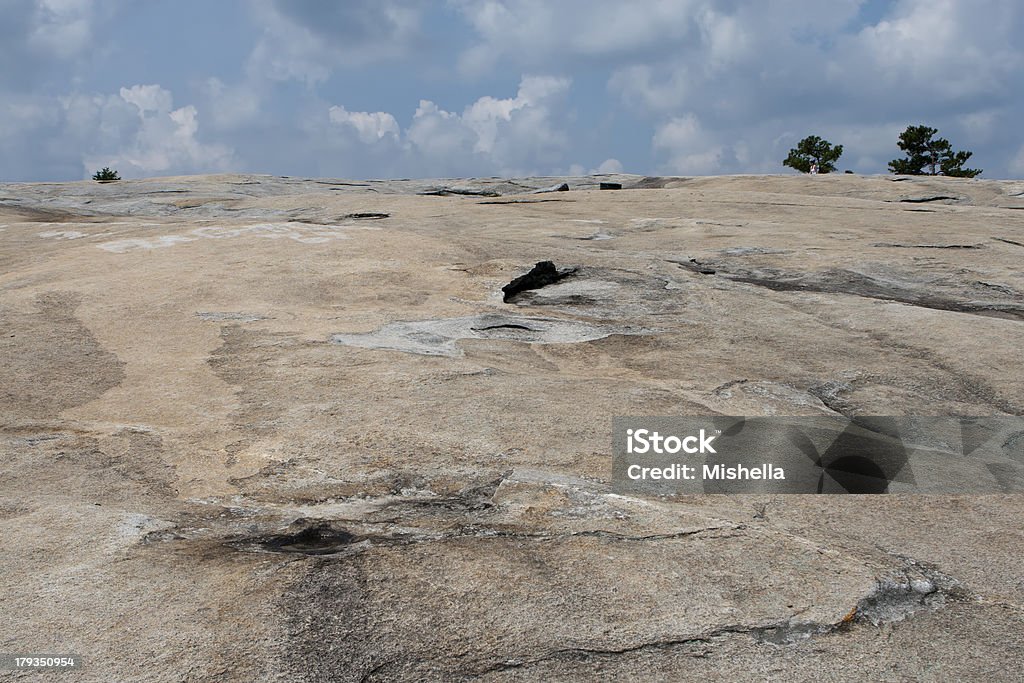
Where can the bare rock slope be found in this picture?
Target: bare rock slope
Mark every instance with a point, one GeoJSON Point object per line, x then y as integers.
{"type": "Point", "coordinates": [260, 428]}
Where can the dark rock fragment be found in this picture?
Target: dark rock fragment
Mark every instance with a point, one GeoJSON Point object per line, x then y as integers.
{"type": "Point", "coordinates": [930, 198]}
{"type": "Point", "coordinates": [541, 275]}
{"type": "Point", "coordinates": [366, 215]}
{"type": "Point", "coordinates": [563, 187]}
{"type": "Point", "coordinates": [611, 186]}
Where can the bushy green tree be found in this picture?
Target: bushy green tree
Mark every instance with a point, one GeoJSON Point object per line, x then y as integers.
{"type": "Point", "coordinates": [106, 174]}
{"type": "Point", "coordinates": [814, 150]}
{"type": "Point", "coordinates": [928, 155]}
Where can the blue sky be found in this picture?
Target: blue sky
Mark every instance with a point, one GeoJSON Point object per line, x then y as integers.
{"type": "Point", "coordinates": [395, 88]}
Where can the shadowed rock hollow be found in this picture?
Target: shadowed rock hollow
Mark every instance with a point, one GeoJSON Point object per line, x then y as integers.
{"type": "Point", "coordinates": [261, 428]}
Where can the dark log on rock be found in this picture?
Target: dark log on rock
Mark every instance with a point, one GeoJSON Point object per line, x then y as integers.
{"type": "Point", "coordinates": [542, 275]}
{"type": "Point", "coordinates": [466, 191]}
{"type": "Point", "coordinates": [366, 215]}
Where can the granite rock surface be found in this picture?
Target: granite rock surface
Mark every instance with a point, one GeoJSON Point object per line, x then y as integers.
{"type": "Point", "coordinates": [283, 429]}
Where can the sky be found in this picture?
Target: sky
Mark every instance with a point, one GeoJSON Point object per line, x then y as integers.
{"type": "Point", "coordinates": [458, 88]}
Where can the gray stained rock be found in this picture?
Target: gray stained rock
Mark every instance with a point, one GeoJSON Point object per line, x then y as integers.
{"type": "Point", "coordinates": [439, 337]}
{"type": "Point", "coordinates": [250, 429]}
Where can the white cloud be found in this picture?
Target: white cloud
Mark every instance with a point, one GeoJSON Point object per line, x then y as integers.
{"type": "Point", "coordinates": [728, 39]}
{"type": "Point", "coordinates": [371, 126]}
{"type": "Point", "coordinates": [441, 140]}
{"type": "Point", "coordinates": [528, 110]}
{"type": "Point", "coordinates": [690, 85]}
{"type": "Point", "coordinates": [609, 166]}
{"type": "Point", "coordinates": [137, 131]}
{"type": "Point", "coordinates": [518, 134]}
{"type": "Point", "coordinates": [159, 140]}
{"type": "Point", "coordinates": [521, 134]}
{"type": "Point", "coordinates": [148, 98]}
{"type": "Point", "coordinates": [745, 69]}
{"type": "Point", "coordinates": [606, 166]}
{"type": "Point", "coordinates": [940, 49]}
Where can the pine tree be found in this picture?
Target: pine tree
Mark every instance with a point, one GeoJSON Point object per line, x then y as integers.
{"type": "Point", "coordinates": [105, 175]}
{"type": "Point", "coordinates": [928, 155]}
{"type": "Point", "coordinates": [814, 150]}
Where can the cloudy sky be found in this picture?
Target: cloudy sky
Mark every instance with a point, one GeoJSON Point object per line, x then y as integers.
{"type": "Point", "coordinates": [406, 88]}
